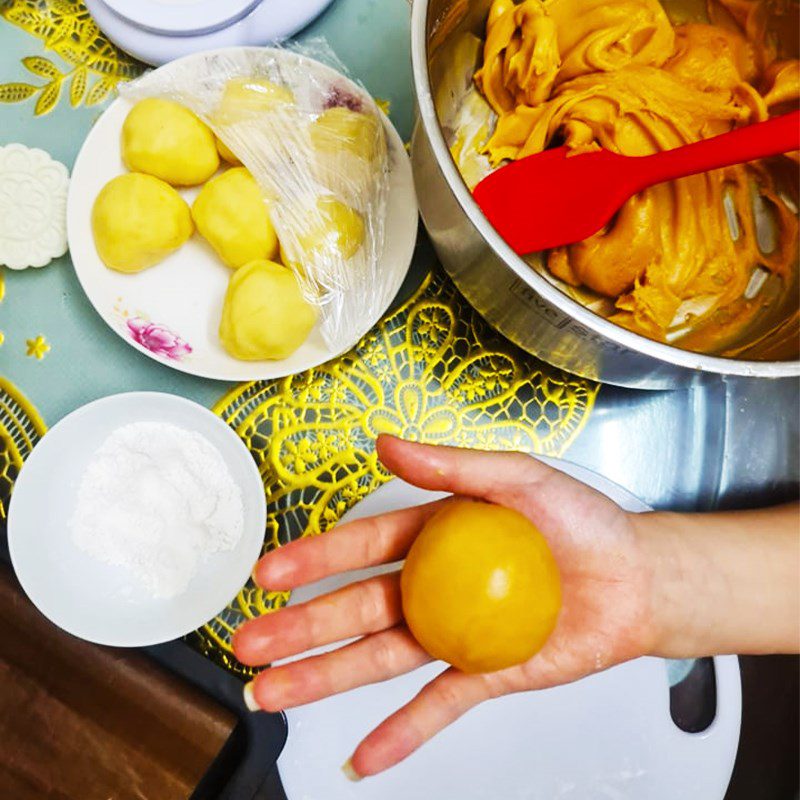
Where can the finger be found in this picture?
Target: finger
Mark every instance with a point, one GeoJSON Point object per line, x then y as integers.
{"type": "Point", "coordinates": [354, 610]}
{"type": "Point", "coordinates": [374, 658]}
{"type": "Point", "coordinates": [493, 476]}
{"type": "Point", "coordinates": [363, 543]}
{"type": "Point", "coordinates": [440, 702]}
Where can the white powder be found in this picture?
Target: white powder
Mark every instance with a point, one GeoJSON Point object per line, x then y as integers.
{"type": "Point", "coordinates": [157, 500]}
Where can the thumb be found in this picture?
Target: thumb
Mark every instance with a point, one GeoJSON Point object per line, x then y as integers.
{"type": "Point", "coordinates": [492, 476]}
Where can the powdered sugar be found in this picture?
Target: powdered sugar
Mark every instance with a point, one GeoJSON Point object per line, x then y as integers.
{"type": "Point", "coordinates": [157, 499]}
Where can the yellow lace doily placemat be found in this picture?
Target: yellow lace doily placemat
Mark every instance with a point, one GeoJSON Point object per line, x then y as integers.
{"type": "Point", "coordinates": [94, 66]}
{"type": "Point", "coordinates": [433, 371]}
{"type": "Point", "coordinates": [20, 428]}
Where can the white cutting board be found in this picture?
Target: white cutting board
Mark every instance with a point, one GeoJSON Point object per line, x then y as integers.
{"type": "Point", "coordinates": [607, 737]}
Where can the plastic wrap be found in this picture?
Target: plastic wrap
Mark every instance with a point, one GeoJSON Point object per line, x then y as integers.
{"type": "Point", "coordinates": [316, 144]}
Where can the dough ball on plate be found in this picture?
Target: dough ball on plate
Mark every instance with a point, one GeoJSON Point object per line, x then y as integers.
{"type": "Point", "coordinates": [137, 221]}
{"type": "Point", "coordinates": [232, 214]}
{"type": "Point", "coordinates": [264, 315]}
{"type": "Point", "coordinates": [166, 140]}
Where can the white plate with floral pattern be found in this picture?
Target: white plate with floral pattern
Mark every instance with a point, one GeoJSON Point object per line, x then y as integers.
{"type": "Point", "coordinates": [171, 312]}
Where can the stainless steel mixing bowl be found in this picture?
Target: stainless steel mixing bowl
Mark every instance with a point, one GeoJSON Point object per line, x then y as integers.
{"type": "Point", "coordinates": [512, 296]}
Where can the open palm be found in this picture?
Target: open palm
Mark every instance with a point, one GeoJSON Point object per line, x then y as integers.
{"type": "Point", "coordinates": [605, 617]}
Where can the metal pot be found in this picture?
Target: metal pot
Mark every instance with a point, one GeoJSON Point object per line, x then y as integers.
{"type": "Point", "coordinates": [512, 296]}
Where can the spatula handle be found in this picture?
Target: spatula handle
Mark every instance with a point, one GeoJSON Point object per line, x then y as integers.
{"type": "Point", "coordinates": [760, 140]}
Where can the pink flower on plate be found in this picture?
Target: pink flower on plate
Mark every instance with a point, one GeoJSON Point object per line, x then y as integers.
{"type": "Point", "coordinates": [158, 339]}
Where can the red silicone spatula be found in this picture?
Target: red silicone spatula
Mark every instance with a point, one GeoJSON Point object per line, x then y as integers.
{"type": "Point", "coordinates": [550, 199]}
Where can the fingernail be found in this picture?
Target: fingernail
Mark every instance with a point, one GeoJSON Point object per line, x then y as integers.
{"type": "Point", "coordinates": [349, 771]}
{"type": "Point", "coordinates": [250, 698]}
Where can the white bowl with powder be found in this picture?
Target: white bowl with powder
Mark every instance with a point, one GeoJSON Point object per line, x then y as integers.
{"type": "Point", "coordinates": [136, 519]}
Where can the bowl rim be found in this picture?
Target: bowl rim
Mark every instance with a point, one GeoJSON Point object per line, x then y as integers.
{"type": "Point", "coordinates": [198, 419]}
{"type": "Point", "coordinates": [608, 330]}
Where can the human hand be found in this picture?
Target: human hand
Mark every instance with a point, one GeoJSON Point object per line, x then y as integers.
{"type": "Point", "coordinates": [606, 616]}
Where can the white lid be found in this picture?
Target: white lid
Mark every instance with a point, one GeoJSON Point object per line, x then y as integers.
{"type": "Point", "coordinates": [181, 16]}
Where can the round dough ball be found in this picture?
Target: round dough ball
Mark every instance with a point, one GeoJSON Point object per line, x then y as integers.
{"type": "Point", "coordinates": [339, 128]}
{"type": "Point", "coordinates": [244, 97]}
{"type": "Point", "coordinates": [480, 587]}
{"type": "Point", "coordinates": [336, 226]}
{"type": "Point", "coordinates": [231, 213]}
{"type": "Point", "coordinates": [349, 151]}
{"type": "Point", "coordinates": [164, 139]}
{"type": "Point", "coordinates": [264, 315]}
{"type": "Point", "coordinates": [334, 231]}
{"type": "Point", "coordinates": [137, 221]}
